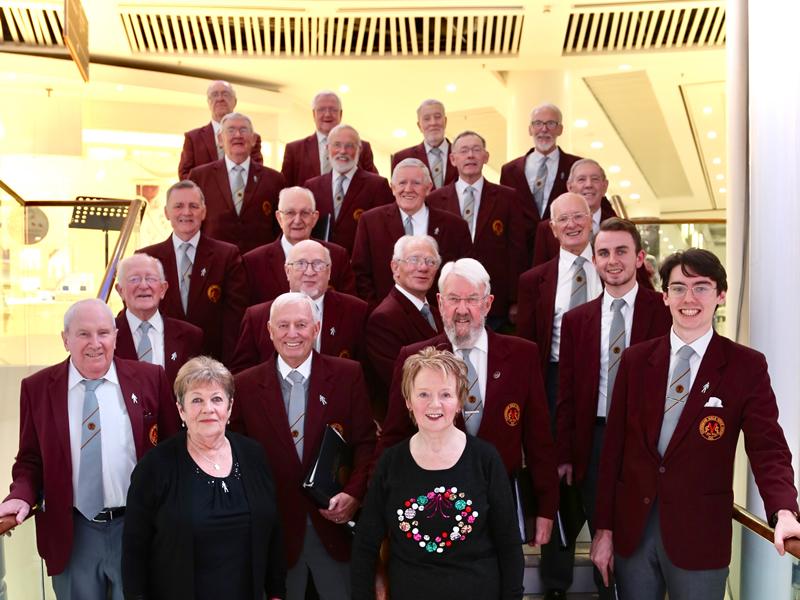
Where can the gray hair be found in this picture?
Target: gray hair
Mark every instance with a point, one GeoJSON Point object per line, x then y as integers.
{"type": "Point", "coordinates": [344, 127]}
{"type": "Point", "coordinates": [407, 163]}
{"type": "Point", "coordinates": [429, 102]}
{"type": "Point", "coordinates": [123, 265]}
{"type": "Point", "coordinates": [202, 370]}
{"type": "Point", "coordinates": [296, 189]}
{"type": "Point", "coordinates": [308, 244]}
{"type": "Point", "coordinates": [294, 298]}
{"type": "Point", "coordinates": [550, 106]}
{"type": "Point", "coordinates": [235, 115]}
{"type": "Point", "coordinates": [468, 268]}
{"type": "Point", "coordinates": [584, 161]}
{"type": "Point", "coordinates": [323, 93]}
{"type": "Point", "coordinates": [72, 310]}
{"type": "Point", "coordinates": [224, 83]}
{"type": "Point", "coordinates": [469, 132]}
{"type": "Point", "coordinates": [401, 244]}
{"type": "Point", "coordinates": [186, 184]}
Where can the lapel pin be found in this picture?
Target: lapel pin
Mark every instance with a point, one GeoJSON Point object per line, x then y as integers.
{"type": "Point", "coordinates": [203, 272]}
{"type": "Point", "coordinates": [174, 356]}
{"type": "Point", "coordinates": [436, 231]}
{"type": "Point", "coordinates": [333, 330]}
{"type": "Point", "coordinates": [255, 178]}
{"type": "Point", "coordinates": [322, 400]}
{"type": "Point", "coordinates": [562, 174]}
{"type": "Point", "coordinates": [496, 375]}
{"type": "Point", "coordinates": [705, 388]}
{"type": "Point", "coordinates": [134, 398]}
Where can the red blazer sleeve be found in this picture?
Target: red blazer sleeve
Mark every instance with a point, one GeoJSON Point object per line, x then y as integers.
{"type": "Point", "coordinates": [246, 353]}
{"type": "Point", "coordinates": [565, 408]}
{"type": "Point", "coordinates": [235, 302]}
{"type": "Point", "coordinates": [168, 418]}
{"type": "Point", "coordinates": [26, 474]}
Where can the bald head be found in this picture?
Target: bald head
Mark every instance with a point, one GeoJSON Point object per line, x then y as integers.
{"type": "Point", "coordinates": [571, 222]}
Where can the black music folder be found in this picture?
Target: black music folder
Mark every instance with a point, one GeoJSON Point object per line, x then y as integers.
{"type": "Point", "coordinates": [331, 470]}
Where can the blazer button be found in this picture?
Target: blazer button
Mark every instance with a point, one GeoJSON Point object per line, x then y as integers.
{"type": "Point", "coordinates": [647, 500]}
{"type": "Point", "coordinates": [662, 470]}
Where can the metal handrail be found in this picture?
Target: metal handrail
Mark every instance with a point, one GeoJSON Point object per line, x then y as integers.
{"type": "Point", "coordinates": [762, 529]}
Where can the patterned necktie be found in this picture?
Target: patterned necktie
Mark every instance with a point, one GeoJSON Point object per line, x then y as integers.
{"type": "Point", "coordinates": [144, 351]}
{"type": "Point", "coordinates": [338, 196]}
{"type": "Point", "coordinates": [324, 159]}
{"type": "Point", "coordinates": [184, 275]}
{"type": "Point", "coordinates": [426, 312]}
{"type": "Point", "coordinates": [473, 409]}
{"type": "Point", "coordinates": [237, 188]}
{"type": "Point", "coordinates": [616, 344]}
{"type": "Point", "coordinates": [408, 226]}
{"type": "Point", "coordinates": [677, 392]}
{"type": "Point", "coordinates": [578, 290]}
{"type": "Point", "coordinates": [469, 209]}
{"type": "Point", "coordinates": [437, 168]}
{"type": "Point", "coordinates": [90, 470]}
{"type": "Point", "coordinates": [538, 186]}
{"type": "Point", "coordinates": [220, 152]}
{"type": "Point", "coordinates": [297, 411]}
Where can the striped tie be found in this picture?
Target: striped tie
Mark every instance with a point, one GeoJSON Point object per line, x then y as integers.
{"type": "Point", "coordinates": [578, 292]}
{"type": "Point", "coordinates": [677, 393]}
{"type": "Point", "coordinates": [473, 409]}
{"type": "Point", "coordinates": [89, 499]}
{"type": "Point", "coordinates": [144, 351]}
{"type": "Point", "coordinates": [437, 168]}
{"type": "Point", "coordinates": [616, 344]}
{"type": "Point", "coordinates": [184, 275]}
{"type": "Point", "coordinates": [297, 410]}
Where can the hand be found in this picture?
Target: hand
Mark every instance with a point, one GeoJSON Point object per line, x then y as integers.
{"type": "Point", "coordinates": [341, 508]}
{"type": "Point", "coordinates": [786, 527]}
{"type": "Point", "coordinates": [565, 470]}
{"type": "Point", "coordinates": [512, 314]}
{"type": "Point", "coordinates": [16, 507]}
{"type": "Point", "coordinates": [381, 585]}
{"type": "Point", "coordinates": [602, 553]}
{"type": "Point", "coordinates": [544, 527]}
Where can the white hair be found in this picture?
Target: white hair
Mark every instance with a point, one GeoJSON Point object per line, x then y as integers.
{"type": "Point", "coordinates": [468, 268]}
{"type": "Point", "coordinates": [124, 263]}
{"type": "Point", "coordinates": [235, 115]}
{"type": "Point", "coordinates": [429, 102]}
{"type": "Point", "coordinates": [550, 106]}
{"type": "Point", "coordinates": [294, 298]}
{"type": "Point", "coordinates": [72, 310]}
{"type": "Point", "coordinates": [321, 94]}
{"type": "Point", "coordinates": [401, 244]}
{"type": "Point", "coordinates": [410, 162]}
{"type": "Point", "coordinates": [295, 189]}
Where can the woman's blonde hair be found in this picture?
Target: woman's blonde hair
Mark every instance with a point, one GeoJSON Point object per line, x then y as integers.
{"type": "Point", "coordinates": [443, 361]}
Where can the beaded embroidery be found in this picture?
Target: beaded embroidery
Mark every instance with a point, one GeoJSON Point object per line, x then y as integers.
{"type": "Point", "coordinates": [447, 503]}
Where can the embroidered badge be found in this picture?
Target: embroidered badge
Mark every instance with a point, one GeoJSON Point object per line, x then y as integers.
{"type": "Point", "coordinates": [344, 353]}
{"type": "Point", "coordinates": [357, 214]}
{"type": "Point", "coordinates": [448, 504]}
{"type": "Point", "coordinates": [712, 428]}
{"type": "Point", "coordinates": [214, 293]}
{"type": "Point", "coordinates": [153, 435]}
{"type": "Point", "coordinates": [266, 207]}
{"type": "Point", "coordinates": [497, 227]}
{"type": "Point", "coordinates": [512, 414]}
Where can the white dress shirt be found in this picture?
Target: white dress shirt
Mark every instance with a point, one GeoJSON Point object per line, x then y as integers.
{"type": "Point", "coordinates": [156, 334]}
{"type": "Point", "coordinates": [304, 369]}
{"type": "Point", "coordinates": [700, 345]}
{"type": "Point", "coordinates": [116, 435]}
{"type": "Point", "coordinates": [532, 163]}
{"type": "Point", "coordinates": [566, 270]}
{"type": "Point", "coordinates": [192, 250]}
{"type": "Point", "coordinates": [320, 302]}
{"type": "Point", "coordinates": [479, 357]}
{"type": "Point", "coordinates": [606, 316]}
{"type": "Point", "coordinates": [418, 304]}
{"type": "Point", "coordinates": [245, 164]}
{"type": "Point", "coordinates": [419, 220]}
{"type": "Point", "coordinates": [345, 184]}
{"type": "Point", "coordinates": [322, 146]}
{"type": "Point", "coordinates": [445, 149]}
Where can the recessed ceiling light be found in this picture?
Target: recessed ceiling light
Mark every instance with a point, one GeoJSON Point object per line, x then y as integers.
{"type": "Point", "coordinates": [624, 183]}
{"type": "Point", "coordinates": [624, 67]}
{"type": "Point", "coordinates": [712, 135]}
{"type": "Point", "coordinates": [720, 176]}
{"type": "Point", "coordinates": [722, 190]}
{"type": "Point", "coordinates": [120, 87]}
{"type": "Point", "coordinates": [634, 196]}
{"type": "Point", "coordinates": [581, 123]}
{"type": "Point", "coordinates": [344, 88]}
{"type": "Point", "coordinates": [671, 247]}
{"type": "Point", "coordinates": [665, 239]}
{"type": "Point", "coordinates": [614, 169]}
{"type": "Point", "coordinates": [716, 160]}
{"type": "Point", "coordinates": [399, 133]}
{"type": "Point", "coordinates": [450, 87]}
{"type": "Point", "coordinates": [707, 110]}
{"type": "Point", "coordinates": [100, 175]}
{"type": "Point", "coordinates": [597, 145]}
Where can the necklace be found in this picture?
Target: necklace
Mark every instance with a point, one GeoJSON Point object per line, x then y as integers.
{"type": "Point", "coordinates": [213, 463]}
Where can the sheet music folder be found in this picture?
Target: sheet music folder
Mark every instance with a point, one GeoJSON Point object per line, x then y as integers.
{"type": "Point", "coordinates": [331, 470]}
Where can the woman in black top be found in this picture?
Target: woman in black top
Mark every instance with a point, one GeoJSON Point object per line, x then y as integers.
{"type": "Point", "coordinates": [444, 499]}
{"type": "Point", "coordinates": [201, 520]}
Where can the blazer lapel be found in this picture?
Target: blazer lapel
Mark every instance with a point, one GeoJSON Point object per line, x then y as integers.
{"type": "Point", "coordinates": [486, 208]}
{"type": "Point", "coordinates": [594, 343]}
{"type": "Point", "coordinates": [642, 315]}
{"type": "Point", "coordinates": [253, 177]}
{"type": "Point", "coordinates": [210, 141]}
{"type": "Point", "coordinates": [125, 343]}
{"type": "Point", "coordinates": [497, 377]}
{"type": "Point", "coordinates": [654, 392]}
{"type": "Point", "coordinates": [223, 183]}
{"type": "Point", "coordinates": [353, 190]}
{"type": "Point", "coordinates": [311, 149]}
{"type": "Point", "coordinates": [321, 384]}
{"type": "Point", "coordinates": [128, 385]}
{"type": "Point", "coordinates": [59, 407]}
{"type": "Point", "coordinates": [274, 409]}
{"type": "Point", "coordinates": [203, 257]}
{"type": "Point", "coordinates": [394, 223]}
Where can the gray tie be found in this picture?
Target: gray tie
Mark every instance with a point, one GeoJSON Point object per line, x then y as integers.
{"type": "Point", "coordinates": [90, 471]}
{"type": "Point", "coordinates": [578, 290]}
{"type": "Point", "coordinates": [408, 226]}
{"type": "Point", "coordinates": [426, 312]}
{"type": "Point", "coordinates": [538, 186]}
{"type": "Point", "coordinates": [436, 168]}
{"type": "Point", "coordinates": [220, 152]}
{"type": "Point", "coordinates": [184, 275]}
{"type": "Point", "coordinates": [144, 351]}
{"type": "Point", "coordinates": [469, 209]}
{"type": "Point", "coordinates": [338, 196]}
{"type": "Point", "coordinates": [677, 392]}
{"type": "Point", "coordinates": [237, 188]}
{"type": "Point", "coordinates": [473, 409]}
{"type": "Point", "coordinates": [297, 410]}
{"type": "Point", "coordinates": [324, 159]}
{"type": "Point", "coordinates": [616, 344]}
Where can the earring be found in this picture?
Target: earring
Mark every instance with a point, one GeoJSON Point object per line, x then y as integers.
{"type": "Point", "coordinates": [183, 424]}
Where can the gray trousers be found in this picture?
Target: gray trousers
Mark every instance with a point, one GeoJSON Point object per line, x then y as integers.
{"type": "Point", "coordinates": [331, 577]}
{"type": "Point", "coordinates": [94, 570]}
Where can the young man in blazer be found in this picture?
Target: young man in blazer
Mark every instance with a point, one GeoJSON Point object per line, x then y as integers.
{"type": "Point", "coordinates": [593, 337]}
{"type": "Point", "coordinates": [665, 488]}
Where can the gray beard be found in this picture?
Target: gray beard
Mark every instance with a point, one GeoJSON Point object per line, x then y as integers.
{"type": "Point", "coordinates": [466, 341]}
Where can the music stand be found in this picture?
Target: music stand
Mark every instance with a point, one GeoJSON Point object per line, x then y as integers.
{"type": "Point", "coordinates": [93, 215]}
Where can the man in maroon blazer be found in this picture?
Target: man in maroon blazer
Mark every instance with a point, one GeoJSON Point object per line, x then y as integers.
{"type": "Point", "coordinates": [493, 215]}
{"type": "Point", "coordinates": [434, 151]}
{"type": "Point", "coordinates": [241, 194]}
{"type": "Point", "coordinates": [307, 270]}
{"type": "Point", "coordinates": [79, 475]}
{"type": "Point", "coordinates": [297, 214]}
{"type": "Point", "coordinates": [506, 403]}
{"type": "Point", "coordinates": [143, 333]}
{"type": "Point", "coordinates": [665, 486]}
{"type": "Point", "coordinates": [593, 337]}
{"type": "Point", "coordinates": [307, 158]}
{"type": "Point", "coordinates": [314, 390]}
{"type": "Point", "coordinates": [539, 176]}
{"type": "Point", "coordinates": [207, 283]}
{"type": "Point", "coordinates": [202, 145]}
{"type": "Point", "coordinates": [348, 190]}
{"type": "Point", "coordinates": [379, 228]}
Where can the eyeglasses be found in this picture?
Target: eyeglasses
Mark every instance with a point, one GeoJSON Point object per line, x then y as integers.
{"type": "Point", "coordinates": [148, 279]}
{"type": "Point", "coordinates": [345, 145]}
{"type": "Point", "coordinates": [578, 218]}
{"type": "Point", "coordinates": [537, 124]}
{"type": "Point", "coordinates": [470, 150]}
{"type": "Point", "coordinates": [701, 290]}
{"type": "Point", "coordinates": [239, 130]}
{"type": "Point", "coordinates": [418, 261]}
{"type": "Point", "coordinates": [472, 301]}
{"type": "Point", "coordinates": [291, 214]}
{"type": "Point", "coordinates": [327, 110]}
{"type": "Point", "coordinates": [301, 265]}
{"type": "Point", "coordinates": [222, 94]}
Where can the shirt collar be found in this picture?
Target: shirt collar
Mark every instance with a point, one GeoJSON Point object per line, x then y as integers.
{"type": "Point", "coordinates": [566, 258]}
{"type": "Point", "coordinates": [699, 345]}
{"type": "Point", "coordinates": [155, 321]}
{"type": "Point", "coordinates": [462, 185]}
{"type": "Point", "coordinates": [482, 343]}
{"type": "Point", "coordinates": [420, 214]}
{"type": "Point", "coordinates": [321, 137]}
{"type": "Point", "coordinates": [75, 377]}
{"type": "Point", "coordinates": [304, 369]}
{"type": "Point", "coordinates": [443, 147]}
{"type": "Point", "coordinates": [414, 300]}
{"type": "Point", "coordinates": [629, 298]}
{"type": "Point", "coordinates": [349, 174]}
{"type": "Point", "coordinates": [550, 158]}
{"type": "Point", "coordinates": [286, 246]}
{"type": "Point", "coordinates": [245, 164]}
{"type": "Point", "coordinates": [192, 241]}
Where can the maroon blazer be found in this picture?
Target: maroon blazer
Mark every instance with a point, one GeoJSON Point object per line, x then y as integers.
{"type": "Point", "coordinates": [200, 148]}
{"type": "Point", "coordinates": [546, 245]}
{"type": "Point", "coordinates": [536, 303]}
{"type": "Point", "coordinates": [499, 242]}
{"type": "Point", "coordinates": [343, 321]}
{"type": "Point", "coordinates": [267, 278]}
{"type": "Point", "coordinates": [42, 471]}
{"type": "Point", "coordinates": [511, 385]}
{"type": "Point", "coordinates": [256, 224]}
{"type": "Point", "coordinates": [579, 371]}
{"type": "Point", "coordinates": [379, 229]}
{"type": "Point", "coordinates": [366, 191]}
{"type": "Point", "coordinates": [512, 174]}
{"type": "Point", "coordinates": [693, 482]}
{"type": "Point", "coordinates": [418, 152]}
{"type": "Point", "coordinates": [217, 292]}
{"type": "Point", "coordinates": [395, 323]}
{"type": "Point", "coordinates": [301, 160]}
{"type": "Point", "coordinates": [182, 341]}
{"type": "Point", "coordinates": [336, 396]}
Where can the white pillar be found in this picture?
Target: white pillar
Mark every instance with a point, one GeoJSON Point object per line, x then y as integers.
{"type": "Point", "coordinates": [527, 90]}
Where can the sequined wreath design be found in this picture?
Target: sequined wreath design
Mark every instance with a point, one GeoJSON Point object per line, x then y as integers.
{"type": "Point", "coordinates": [448, 503]}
